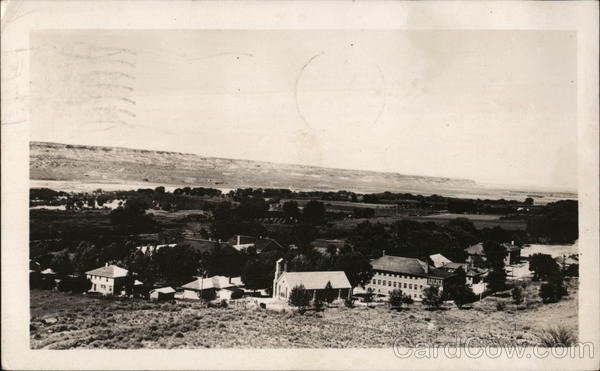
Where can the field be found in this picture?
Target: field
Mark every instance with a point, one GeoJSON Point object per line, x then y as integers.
{"type": "Point", "coordinates": [480, 221]}
{"type": "Point", "coordinates": [61, 321]}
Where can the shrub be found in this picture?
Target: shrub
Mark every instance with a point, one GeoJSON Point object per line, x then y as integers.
{"type": "Point", "coordinates": [553, 290]}
{"type": "Point", "coordinates": [517, 295]}
{"type": "Point", "coordinates": [178, 335]}
{"type": "Point", "coordinates": [559, 336]}
{"type": "Point", "coordinates": [396, 299]}
{"type": "Point", "coordinates": [432, 297]}
{"type": "Point", "coordinates": [349, 302]}
{"type": "Point", "coordinates": [500, 305]}
{"type": "Point", "coordinates": [318, 304]}
{"type": "Point", "coordinates": [299, 297]}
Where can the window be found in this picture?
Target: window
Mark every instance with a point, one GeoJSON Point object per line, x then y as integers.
{"type": "Point", "coordinates": [421, 287]}
{"type": "Point", "coordinates": [410, 286]}
{"type": "Point", "coordinates": [404, 284]}
{"type": "Point", "coordinates": [383, 282]}
{"type": "Point", "coordinates": [374, 282]}
{"type": "Point", "coordinates": [394, 284]}
{"type": "Point", "coordinates": [102, 286]}
{"type": "Point", "coordinates": [379, 282]}
{"type": "Point", "coordinates": [389, 283]}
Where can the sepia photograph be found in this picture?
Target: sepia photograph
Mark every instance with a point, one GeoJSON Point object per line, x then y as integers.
{"type": "Point", "coordinates": [222, 188]}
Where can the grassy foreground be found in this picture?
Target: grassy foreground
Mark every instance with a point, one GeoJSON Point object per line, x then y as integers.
{"type": "Point", "coordinates": [62, 321]}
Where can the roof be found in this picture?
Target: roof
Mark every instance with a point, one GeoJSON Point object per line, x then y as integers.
{"type": "Point", "coordinates": [438, 260]}
{"type": "Point", "coordinates": [400, 264]}
{"type": "Point", "coordinates": [164, 290]}
{"type": "Point", "coordinates": [109, 271]}
{"type": "Point", "coordinates": [259, 243]}
{"type": "Point", "coordinates": [244, 240]}
{"type": "Point", "coordinates": [440, 273]}
{"type": "Point", "coordinates": [452, 265]}
{"type": "Point", "coordinates": [48, 271]}
{"type": "Point", "coordinates": [476, 271]}
{"type": "Point", "coordinates": [477, 249]}
{"type": "Point", "coordinates": [316, 280]}
{"type": "Point", "coordinates": [153, 248]}
{"type": "Point", "coordinates": [214, 282]}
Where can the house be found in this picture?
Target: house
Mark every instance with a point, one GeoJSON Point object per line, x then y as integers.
{"type": "Point", "coordinates": [260, 244]}
{"type": "Point", "coordinates": [163, 293]}
{"type": "Point", "coordinates": [411, 275]}
{"type": "Point", "coordinates": [476, 254]}
{"type": "Point", "coordinates": [107, 280]}
{"type": "Point", "coordinates": [438, 260]}
{"type": "Point", "coordinates": [219, 287]}
{"type": "Point", "coordinates": [284, 282]}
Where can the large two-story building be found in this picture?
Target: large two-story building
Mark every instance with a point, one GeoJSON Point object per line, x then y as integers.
{"type": "Point", "coordinates": [107, 280]}
{"type": "Point", "coordinates": [410, 275]}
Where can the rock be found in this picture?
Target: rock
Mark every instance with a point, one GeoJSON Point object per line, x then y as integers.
{"type": "Point", "coordinates": [50, 320]}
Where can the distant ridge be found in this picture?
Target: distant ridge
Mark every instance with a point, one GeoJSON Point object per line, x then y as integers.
{"type": "Point", "coordinates": [99, 164]}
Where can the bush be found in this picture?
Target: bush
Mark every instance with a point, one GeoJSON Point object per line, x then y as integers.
{"type": "Point", "coordinates": [432, 297]}
{"type": "Point", "coordinates": [557, 337]}
{"type": "Point", "coordinates": [500, 306]}
{"type": "Point", "coordinates": [517, 295]}
{"type": "Point", "coordinates": [396, 299]}
{"type": "Point", "coordinates": [553, 290]}
{"type": "Point", "coordinates": [299, 297]}
{"type": "Point", "coordinates": [349, 303]}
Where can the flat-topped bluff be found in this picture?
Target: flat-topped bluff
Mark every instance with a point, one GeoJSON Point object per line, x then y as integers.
{"type": "Point", "coordinates": [67, 162]}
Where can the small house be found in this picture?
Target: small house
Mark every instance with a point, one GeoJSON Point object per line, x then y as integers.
{"type": "Point", "coordinates": [163, 293]}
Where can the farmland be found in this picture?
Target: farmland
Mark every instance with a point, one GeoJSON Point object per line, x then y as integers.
{"type": "Point", "coordinates": [479, 221]}
{"type": "Point", "coordinates": [62, 321]}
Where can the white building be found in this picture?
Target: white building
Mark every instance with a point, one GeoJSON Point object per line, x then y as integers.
{"type": "Point", "coordinates": [284, 282]}
{"type": "Point", "coordinates": [410, 275]}
{"type": "Point", "coordinates": [107, 280]}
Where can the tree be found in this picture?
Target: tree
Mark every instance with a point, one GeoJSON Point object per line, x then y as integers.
{"type": "Point", "coordinates": [299, 297]}
{"type": "Point", "coordinates": [86, 257]}
{"type": "Point", "coordinates": [314, 212]}
{"type": "Point", "coordinates": [553, 290]}
{"type": "Point", "coordinates": [496, 280]}
{"type": "Point", "coordinates": [369, 295]}
{"type": "Point", "coordinates": [396, 298]}
{"type": "Point", "coordinates": [432, 297]}
{"type": "Point", "coordinates": [177, 265]}
{"type": "Point", "coordinates": [329, 294]}
{"type": "Point", "coordinates": [542, 266]}
{"type": "Point", "coordinates": [517, 295]}
{"type": "Point", "coordinates": [290, 210]}
{"type": "Point", "coordinates": [494, 254]}
{"type": "Point", "coordinates": [132, 218]}
{"type": "Point", "coordinates": [529, 201]}
{"type": "Point", "coordinates": [61, 263]}
{"type": "Point", "coordinates": [357, 268]}
{"type": "Point", "coordinates": [256, 275]}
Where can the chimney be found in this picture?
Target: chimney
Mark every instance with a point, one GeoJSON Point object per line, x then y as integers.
{"type": "Point", "coordinates": [106, 264]}
{"type": "Point", "coordinates": [383, 253]}
{"type": "Point", "coordinates": [512, 242]}
{"type": "Point", "coordinates": [278, 271]}
{"type": "Point", "coordinates": [238, 239]}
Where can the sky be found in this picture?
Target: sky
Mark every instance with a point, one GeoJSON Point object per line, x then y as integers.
{"type": "Point", "coordinates": [492, 106]}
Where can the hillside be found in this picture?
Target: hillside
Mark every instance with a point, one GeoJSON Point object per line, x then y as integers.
{"type": "Point", "coordinates": [62, 162]}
